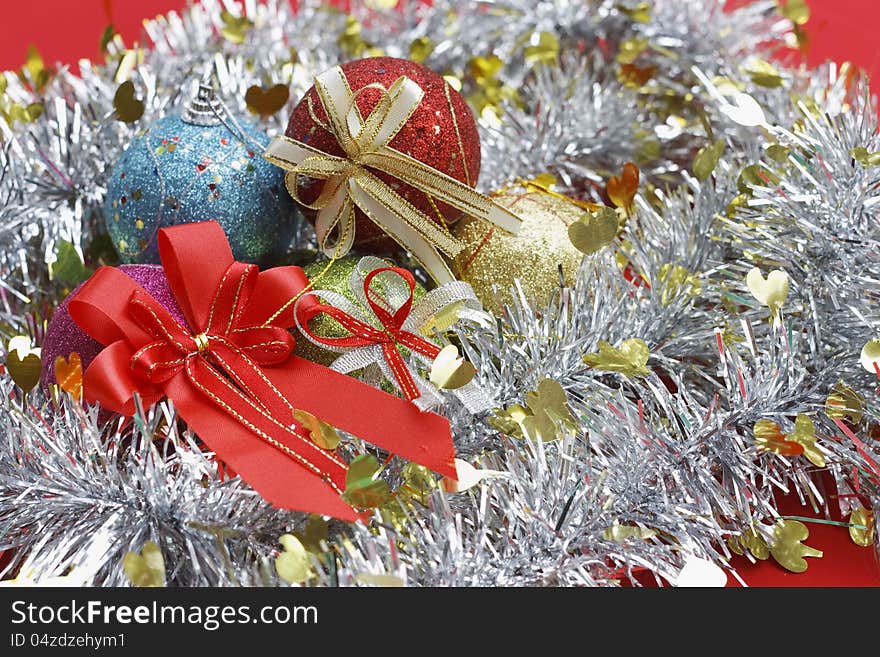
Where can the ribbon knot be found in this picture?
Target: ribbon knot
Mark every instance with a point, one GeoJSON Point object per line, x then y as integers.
{"type": "Point", "coordinates": [238, 349]}
{"type": "Point", "coordinates": [349, 182]}
{"type": "Point", "coordinates": [202, 343]}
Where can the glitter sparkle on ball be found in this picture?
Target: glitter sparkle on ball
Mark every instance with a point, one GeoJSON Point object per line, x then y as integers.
{"type": "Point", "coordinates": [201, 166]}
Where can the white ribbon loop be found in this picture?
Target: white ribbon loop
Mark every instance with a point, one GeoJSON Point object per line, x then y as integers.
{"type": "Point", "coordinates": [349, 183]}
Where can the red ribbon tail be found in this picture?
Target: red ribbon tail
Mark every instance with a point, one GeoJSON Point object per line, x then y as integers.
{"type": "Point", "coordinates": [280, 479]}
{"type": "Point", "coordinates": [387, 421]}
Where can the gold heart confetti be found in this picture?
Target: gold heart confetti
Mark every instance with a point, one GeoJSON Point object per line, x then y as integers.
{"type": "Point", "coordinates": [485, 68]}
{"type": "Point", "coordinates": [752, 541]}
{"type": "Point", "coordinates": [805, 436]}
{"type": "Point", "coordinates": [629, 359]}
{"type": "Point", "coordinates": [321, 433]}
{"type": "Point", "coordinates": [769, 438]}
{"type": "Point", "coordinates": [622, 189]}
{"type": "Point", "coordinates": [844, 401]}
{"type": "Point", "coordinates": [443, 318]}
{"type": "Point", "coordinates": [864, 157]}
{"type": "Point", "coordinates": [449, 371]}
{"type": "Point", "coordinates": [416, 488]}
{"type": "Point", "coordinates": [418, 477]}
{"type": "Point", "coordinates": [293, 564]}
{"type": "Point", "coordinates": [771, 291]}
{"type": "Point", "coordinates": [315, 531]}
{"type": "Point", "coordinates": [68, 268]}
{"type": "Point", "coordinates": [266, 102]}
{"type": "Point", "coordinates": [621, 533]}
{"type": "Point", "coordinates": [146, 568]}
{"type": "Point", "coordinates": [420, 48]}
{"type": "Point", "coordinates": [362, 488]}
{"type": "Point", "coordinates": [23, 362]}
{"type": "Point", "coordinates": [69, 374]}
{"type": "Point", "coordinates": [235, 28]}
{"type": "Point", "coordinates": [755, 175]}
{"type": "Point", "coordinates": [550, 412]}
{"type": "Point", "coordinates": [492, 92]}
{"type": "Point", "coordinates": [778, 153]}
{"type": "Point", "coordinates": [35, 69]}
{"type": "Point", "coordinates": [870, 357]}
{"type": "Point", "coordinates": [675, 280]}
{"type": "Point", "coordinates": [630, 49]}
{"type": "Point", "coordinates": [509, 420]}
{"type": "Point", "coordinates": [635, 77]}
{"type": "Point", "coordinates": [544, 48]}
{"type": "Point", "coordinates": [788, 549]}
{"type": "Point", "coordinates": [862, 527]}
{"type": "Point", "coordinates": [381, 580]}
{"type": "Point", "coordinates": [796, 11]}
{"type": "Point", "coordinates": [23, 113]}
{"type": "Point", "coordinates": [545, 416]}
{"type": "Point", "coordinates": [352, 43]}
{"type": "Point", "coordinates": [707, 159]}
{"type": "Point", "coordinates": [737, 203]}
{"type": "Point", "coordinates": [764, 74]}
{"type": "Point", "coordinates": [418, 482]}
{"type": "Point", "coordinates": [594, 230]}
{"type": "Point", "coordinates": [640, 13]}
{"type": "Point", "coordinates": [128, 107]}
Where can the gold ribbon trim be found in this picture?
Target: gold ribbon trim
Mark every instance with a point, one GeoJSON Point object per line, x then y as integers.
{"type": "Point", "coordinates": [350, 183]}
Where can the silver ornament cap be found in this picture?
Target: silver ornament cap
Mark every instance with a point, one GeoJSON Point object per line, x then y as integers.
{"type": "Point", "coordinates": [206, 108]}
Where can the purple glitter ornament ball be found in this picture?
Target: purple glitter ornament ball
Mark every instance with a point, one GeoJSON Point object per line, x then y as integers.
{"type": "Point", "coordinates": [64, 336]}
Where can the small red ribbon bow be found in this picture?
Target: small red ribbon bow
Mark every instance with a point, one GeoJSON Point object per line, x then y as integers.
{"type": "Point", "coordinates": [390, 336]}
{"type": "Point", "coordinates": [234, 380]}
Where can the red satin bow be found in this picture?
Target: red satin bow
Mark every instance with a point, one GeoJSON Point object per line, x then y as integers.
{"type": "Point", "coordinates": [389, 336]}
{"type": "Point", "coordinates": [234, 380]}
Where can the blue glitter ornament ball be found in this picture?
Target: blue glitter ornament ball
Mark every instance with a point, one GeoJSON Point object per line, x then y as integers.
{"type": "Point", "coordinates": [203, 165]}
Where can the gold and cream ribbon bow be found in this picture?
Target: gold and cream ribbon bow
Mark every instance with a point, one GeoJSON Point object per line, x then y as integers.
{"type": "Point", "coordinates": [349, 183]}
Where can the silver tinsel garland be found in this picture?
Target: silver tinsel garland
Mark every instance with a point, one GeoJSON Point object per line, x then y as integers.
{"type": "Point", "coordinates": [656, 469]}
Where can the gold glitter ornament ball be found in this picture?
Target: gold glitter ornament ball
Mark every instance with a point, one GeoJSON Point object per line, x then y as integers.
{"type": "Point", "coordinates": [334, 277]}
{"type": "Point", "coordinates": [493, 257]}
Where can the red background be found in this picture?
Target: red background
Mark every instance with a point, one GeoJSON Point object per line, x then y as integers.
{"type": "Point", "coordinates": [843, 30]}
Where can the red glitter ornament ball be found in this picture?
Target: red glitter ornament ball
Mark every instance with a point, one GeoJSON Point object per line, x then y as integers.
{"type": "Point", "coordinates": [441, 133]}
